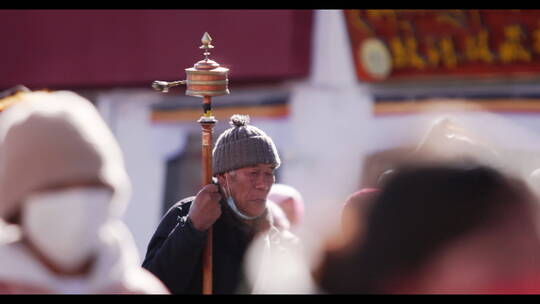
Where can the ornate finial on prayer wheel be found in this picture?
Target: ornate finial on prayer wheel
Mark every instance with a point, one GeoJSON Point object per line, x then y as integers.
{"type": "Point", "coordinates": [205, 78]}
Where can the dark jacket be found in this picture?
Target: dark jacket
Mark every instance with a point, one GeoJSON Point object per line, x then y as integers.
{"type": "Point", "coordinates": [174, 253]}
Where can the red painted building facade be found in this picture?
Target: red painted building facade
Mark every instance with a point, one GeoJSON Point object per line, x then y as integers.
{"type": "Point", "coordinates": [61, 49]}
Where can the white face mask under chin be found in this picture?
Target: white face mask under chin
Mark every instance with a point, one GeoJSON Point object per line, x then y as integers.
{"type": "Point", "coordinates": [64, 225]}
{"type": "Point", "coordinates": [232, 205]}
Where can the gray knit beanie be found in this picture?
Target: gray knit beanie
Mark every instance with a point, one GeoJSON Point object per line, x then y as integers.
{"type": "Point", "coordinates": [243, 145]}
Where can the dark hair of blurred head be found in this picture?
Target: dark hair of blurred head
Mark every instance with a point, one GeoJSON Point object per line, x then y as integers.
{"type": "Point", "coordinates": [417, 211]}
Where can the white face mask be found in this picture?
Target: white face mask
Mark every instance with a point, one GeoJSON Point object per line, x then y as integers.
{"type": "Point", "coordinates": [64, 225]}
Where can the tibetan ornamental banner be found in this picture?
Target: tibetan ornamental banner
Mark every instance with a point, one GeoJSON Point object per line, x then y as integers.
{"type": "Point", "coordinates": [442, 44]}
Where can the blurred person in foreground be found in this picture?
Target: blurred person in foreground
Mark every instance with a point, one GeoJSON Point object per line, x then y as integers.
{"type": "Point", "coordinates": [244, 160]}
{"type": "Point", "coordinates": [442, 229]}
{"type": "Point", "coordinates": [64, 186]}
{"type": "Point", "coordinates": [445, 141]}
{"type": "Point", "coordinates": [290, 201]}
{"type": "Point", "coordinates": [354, 214]}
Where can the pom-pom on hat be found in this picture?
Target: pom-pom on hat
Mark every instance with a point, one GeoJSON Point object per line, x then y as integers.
{"type": "Point", "coordinates": [243, 145]}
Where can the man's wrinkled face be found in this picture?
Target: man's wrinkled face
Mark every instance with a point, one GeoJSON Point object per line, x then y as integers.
{"type": "Point", "coordinates": [249, 186]}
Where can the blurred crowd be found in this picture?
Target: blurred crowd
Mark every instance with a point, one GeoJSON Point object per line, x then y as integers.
{"type": "Point", "coordinates": [450, 220]}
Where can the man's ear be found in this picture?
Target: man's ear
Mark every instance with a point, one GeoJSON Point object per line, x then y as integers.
{"type": "Point", "coordinates": [221, 179]}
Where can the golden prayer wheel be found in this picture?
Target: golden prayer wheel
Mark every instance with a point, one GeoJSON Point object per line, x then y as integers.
{"type": "Point", "coordinates": [205, 78]}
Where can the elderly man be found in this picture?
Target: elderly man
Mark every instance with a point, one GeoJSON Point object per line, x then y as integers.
{"type": "Point", "coordinates": [244, 161]}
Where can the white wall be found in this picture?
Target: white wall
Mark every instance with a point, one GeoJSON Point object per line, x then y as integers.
{"type": "Point", "coordinates": [146, 148]}
{"type": "Point", "coordinates": [330, 117]}
{"type": "Point", "coordinates": [331, 127]}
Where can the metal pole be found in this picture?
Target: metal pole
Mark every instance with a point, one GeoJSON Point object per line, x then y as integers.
{"type": "Point", "coordinates": [207, 124]}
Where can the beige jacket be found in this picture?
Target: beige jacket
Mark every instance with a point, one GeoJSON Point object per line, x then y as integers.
{"type": "Point", "coordinates": [116, 271]}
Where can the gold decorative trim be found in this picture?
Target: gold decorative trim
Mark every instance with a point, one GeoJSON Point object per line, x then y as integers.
{"type": "Point", "coordinates": [216, 71]}
{"type": "Point", "coordinates": [190, 115]}
{"type": "Point", "coordinates": [208, 82]}
{"type": "Point", "coordinates": [207, 93]}
{"type": "Point", "coordinates": [528, 105]}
